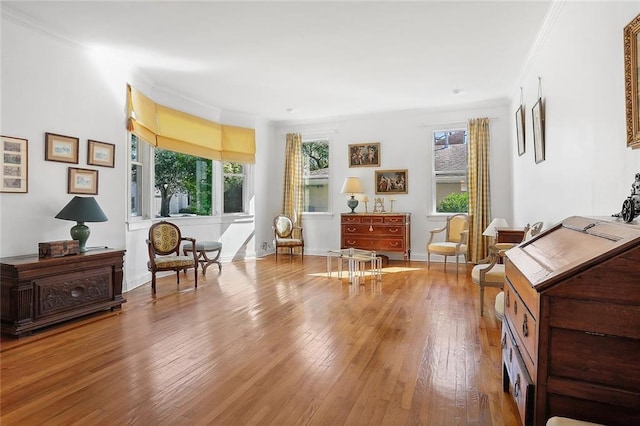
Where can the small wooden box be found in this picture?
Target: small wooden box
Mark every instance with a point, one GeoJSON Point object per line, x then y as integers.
{"type": "Point", "coordinates": [58, 248]}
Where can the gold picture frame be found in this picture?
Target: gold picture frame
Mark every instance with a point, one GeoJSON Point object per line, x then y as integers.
{"type": "Point", "coordinates": [14, 164]}
{"type": "Point", "coordinates": [364, 154]}
{"type": "Point", "coordinates": [82, 181]}
{"type": "Point", "coordinates": [101, 154]}
{"type": "Point", "coordinates": [631, 76]}
{"type": "Point", "coordinates": [391, 181]}
{"type": "Point", "coordinates": [61, 148]}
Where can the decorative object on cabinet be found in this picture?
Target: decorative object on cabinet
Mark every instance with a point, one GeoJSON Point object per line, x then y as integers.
{"type": "Point", "coordinates": [456, 234]}
{"type": "Point", "coordinates": [101, 154]}
{"type": "Point", "coordinates": [352, 186]}
{"type": "Point", "coordinates": [37, 293]}
{"type": "Point", "coordinates": [58, 248]}
{"type": "Point", "coordinates": [520, 120]}
{"type": "Point", "coordinates": [82, 181]}
{"type": "Point", "coordinates": [571, 328]}
{"type": "Point", "coordinates": [164, 252]}
{"type": "Point", "coordinates": [631, 206]}
{"type": "Point", "coordinates": [81, 210]}
{"type": "Point", "coordinates": [14, 164]}
{"type": "Point", "coordinates": [631, 77]}
{"type": "Point", "coordinates": [378, 205]}
{"type": "Point", "coordinates": [391, 181]}
{"type": "Point", "coordinates": [365, 200]}
{"type": "Point", "coordinates": [286, 234]}
{"type": "Point", "coordinates": [537, 113]}
{"type": "Point", "coordinates": [61, 148]}
{"type": "Point", "coordinates": [364, 155]}
{"type": "Point", "coordinates": [392, 200]}
{"type": "Point", "coordinates": [387, 232]}
{"type": "Point", "coordinates": [492, 229]}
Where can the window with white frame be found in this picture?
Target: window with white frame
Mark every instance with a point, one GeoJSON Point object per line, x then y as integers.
{"type": "Point", "coordinates": [184, 185]}
{"type": "Point", "coordinates": [315, 175]}
{"type": "Point", "coordinates": [450, 157]}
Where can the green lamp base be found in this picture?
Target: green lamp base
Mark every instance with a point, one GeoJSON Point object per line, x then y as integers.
{"type": "Point", "coordinates": [352, 203]}
{"type": "Point", "coordinates": [81, 233]}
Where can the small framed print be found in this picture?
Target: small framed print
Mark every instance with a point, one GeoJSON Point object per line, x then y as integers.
{"type": "Point", "coordinates": [14, 164]}
{"type": "Point", "coordinates": [391, 181]}
{"type": "Point", "coordinates": [61, 148]}
{"type": "Point", "coordinates": [83, 181]}
{"type": "Point", "coordinates": [101, 154]}
{"type": "Point", "coordinates": [537, 113]}
{"type": "Point", "coordinates": [520, 130]}
{"type": "Point", "coordinates": [364, 154]}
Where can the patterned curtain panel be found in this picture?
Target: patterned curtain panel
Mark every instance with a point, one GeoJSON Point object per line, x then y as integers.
{"type": "Point", "coordinates": [479, 189]}
{"type": "Point", "coordinates": [293, 185]}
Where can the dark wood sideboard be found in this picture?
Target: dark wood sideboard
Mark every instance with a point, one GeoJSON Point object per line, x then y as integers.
{"type": "Point", "coordinates": [384, 232]}
{"type": "Point", "coordinates": [38, 292]}
{"type": "Point", "coordinates": [571, 329]}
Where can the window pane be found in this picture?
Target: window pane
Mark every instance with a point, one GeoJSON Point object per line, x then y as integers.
{"type": "Point", "coordinates": [315, 156]}
{"type": "Point", "coordinates": [450, 171]}
{"type": "Point", "coordinates": [134, 148]}
{"type": "Point", "coordinates": [136, 188]}
{"type": "Point", "coordinates": [183, 184]}
{"type": "Point", "coordinates": [233, 187]}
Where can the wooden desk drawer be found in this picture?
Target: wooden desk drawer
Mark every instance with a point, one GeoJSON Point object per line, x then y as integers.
{"type": "Point", "coordinates": [385, 244]}
{"type": "Point", "coordinates": [520, 385]}
{"type": "Point", "coordinates": [523, 286]}
{"type": "Point", "coordinates": [372, 230]}
{"type": "Point", "coordinates": [524, 324]}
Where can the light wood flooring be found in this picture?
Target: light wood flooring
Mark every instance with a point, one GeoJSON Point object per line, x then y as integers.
{"type": "Point", "coordinates": [268, 343]}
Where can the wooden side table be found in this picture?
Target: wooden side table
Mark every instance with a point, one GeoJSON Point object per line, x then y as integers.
{"type": "Point", "coordinates": [509, 235]}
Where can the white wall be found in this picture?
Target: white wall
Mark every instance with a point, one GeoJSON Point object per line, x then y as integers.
{"type": "Point", "coordinates": [588, 168]}
{"type": "Point", "coordinates": [405, 143]}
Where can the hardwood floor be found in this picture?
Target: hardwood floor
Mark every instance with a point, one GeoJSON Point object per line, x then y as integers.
{"type": "Point", "coordinates": [269, 343]}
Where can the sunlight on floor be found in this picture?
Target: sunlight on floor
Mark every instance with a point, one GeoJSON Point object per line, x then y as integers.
{"type": "Point", "coordinates": [389, 270]}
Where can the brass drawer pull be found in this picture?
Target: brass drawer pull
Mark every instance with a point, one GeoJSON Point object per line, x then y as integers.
{"type": "Point", "coordinates": [525, 326]}
{"type": "Point", "coordinates": [515, 307]}
{"type": "Point", "coordinates": [507, 300]}
{"type": "Point", "coordinates": [393, 229]}
{"type": "Point", "coordinates": [351, 229]}
{"type": "Point", "coordinates": [370, 228]}
{"type": "Point", "coordinates": [503, 343]}
{"type": "Point", "coordinates": [516, 386]}
{"type": "Point", "coordinates": [510, 354]}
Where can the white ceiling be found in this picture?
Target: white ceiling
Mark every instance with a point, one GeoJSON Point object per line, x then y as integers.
{"type": "Point", "coordinates": [301, 60]}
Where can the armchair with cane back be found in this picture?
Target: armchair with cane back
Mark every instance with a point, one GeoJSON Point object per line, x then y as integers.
{"type": "Point", "coordinates": [164, 243]}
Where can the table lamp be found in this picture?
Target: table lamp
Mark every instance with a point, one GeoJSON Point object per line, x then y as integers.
{"type": "Point", "coordinates": [492, 229]}
{"type": "Point", "coordinates": [365, 200]}
{"type": "Point", "coordinates": [82, 209]}
{"type": "Point", "coordinates": [352, 186]}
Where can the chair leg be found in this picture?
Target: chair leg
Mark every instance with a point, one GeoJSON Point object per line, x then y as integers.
{"type": "Point", "coordinates": [481, 300]}
{"type": "Point", "coordinates": [195, 275]}
{"type": "Point", "coordinates": [153, 283]}
{"type": "Point", "coordinates": [428, 260]}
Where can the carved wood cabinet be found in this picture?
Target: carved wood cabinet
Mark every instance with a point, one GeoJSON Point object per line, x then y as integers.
{"type": "Point", "coordinates": [385, 232]}
{"type": "Point", "coordinates": [38, 292]}
{"type": "Point", "coordinates": [571, 329]}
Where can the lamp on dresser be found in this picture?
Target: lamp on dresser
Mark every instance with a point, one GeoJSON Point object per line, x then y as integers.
{"type": "Point", "coordinates": [352, 186]}
{"type": "Point", "coordinates": [82, 209]}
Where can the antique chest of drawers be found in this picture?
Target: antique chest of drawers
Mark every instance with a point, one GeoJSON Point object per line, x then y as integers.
{"type": "Point", "coordinates": [384, 232]}
{"type": "Point", "coordinates": [38, 292]}
{"type": "Point", "coordinates": [571, 329]}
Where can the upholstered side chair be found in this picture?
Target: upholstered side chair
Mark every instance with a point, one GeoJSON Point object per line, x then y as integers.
{"type": "Point", "coordinates": [164, 243]}
{"type": "Point", "coordinates": [287, 235]}
{"type": "Point", "coordinates": [450, 240]}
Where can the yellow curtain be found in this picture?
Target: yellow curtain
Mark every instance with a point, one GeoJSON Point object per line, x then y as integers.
{"type": "Point", "coordinates": [178, 131]}
{"type": "Point", "coordinates": [238, 144]}
{"type": "Point", "coordinates": [478, 188]}
{"type": "Point", "coordinates": [293, 188]}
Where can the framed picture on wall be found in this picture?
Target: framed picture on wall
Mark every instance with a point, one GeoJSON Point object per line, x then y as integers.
{"type": "Point", "coordinates": [391, 181]}
{"type": "Point", "coordinates": [61, 148]}
{"type": "Point", "coordinates": [14, 163]}
{"type": "Point", "coordinates": [364, 154]}
{"type": "Point", "coordinates": [82, 181]}
{"type": "Point", "coordinates": [537, 113]}
{"type": "Point", "coordinates": [101, 154]}
{"type": "Point", "coordinates": [520, 130]}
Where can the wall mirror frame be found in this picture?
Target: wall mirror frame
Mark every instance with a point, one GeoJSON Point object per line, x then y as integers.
{"type": "Point", "coordinates": [631, 75]}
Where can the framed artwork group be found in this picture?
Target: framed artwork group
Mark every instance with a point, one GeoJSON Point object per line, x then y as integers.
{"type": "Point", "coordinates": [385, 181]}
{"type": "Point", "coordinates": [14, 164]}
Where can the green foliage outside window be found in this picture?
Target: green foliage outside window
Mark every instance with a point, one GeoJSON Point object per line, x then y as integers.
{"type": "Point", "coordinates": [455, 202]}
{"type": "Point", "coordinates": [233, 187]}
{"type": "Point", "coordinates": [182, 173]}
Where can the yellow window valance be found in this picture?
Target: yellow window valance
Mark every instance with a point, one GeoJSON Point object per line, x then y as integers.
{"type": "Point", "coordinates": [179, 131]}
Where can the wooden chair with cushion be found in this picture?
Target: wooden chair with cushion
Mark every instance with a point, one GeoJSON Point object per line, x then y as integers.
{"type": "Point", "coordinates": [455, 240]}
{"type": "Point", "coordinates": [287, 235]}
{"type": "Point", "coordinates": [490, 271]}
{"type": "Point", "coordinates": [164, 252]}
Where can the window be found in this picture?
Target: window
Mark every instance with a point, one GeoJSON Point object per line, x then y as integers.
{"type": "Point", "coordinates": [135, 191]}
{"type": "Point", "coordinates": [450, 171]}
{"type": "Point", "coordinates": [315, 175]}
{"type": "Point", "coordinates": [183, 184]}
{"type": "Point", "coordinates": [234, 187]}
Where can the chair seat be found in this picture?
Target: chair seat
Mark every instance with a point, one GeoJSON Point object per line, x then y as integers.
{"type": "Point", "coordinates": [448, 248]}
{"type": "Point", "coordinates": [205, 246]}
{"type": "Point", "coordinates": [289, 242]}
{"type": "Point", "coordinates": [564, 421]}
{"type": "Point", "coordinates": [499, 306]}
{"type": "Point", "coordinates": [494, 276]}
{"type": "Point", "coordinates": [172, 262]}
